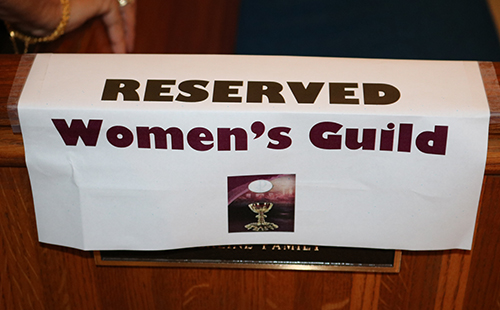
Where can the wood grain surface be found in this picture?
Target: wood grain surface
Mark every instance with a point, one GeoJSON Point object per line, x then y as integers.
{"type": "Point", "coordinates": [40, 276]}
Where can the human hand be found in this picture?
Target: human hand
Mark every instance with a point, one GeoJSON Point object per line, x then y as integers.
{"type": "Point", "coordinates": [39, 18]}
{"type": "Point", "coordinates": [119, 21]}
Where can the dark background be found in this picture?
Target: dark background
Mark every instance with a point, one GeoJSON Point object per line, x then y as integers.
{"type": "Point", "coordinates": [424, 29]}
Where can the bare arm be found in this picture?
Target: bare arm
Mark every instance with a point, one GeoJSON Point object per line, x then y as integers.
{"type": "Point", "coordinates": [40, 17]}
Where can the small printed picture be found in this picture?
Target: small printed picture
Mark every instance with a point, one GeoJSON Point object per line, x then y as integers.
{"type": "Point", "coordinates": [261, 203]}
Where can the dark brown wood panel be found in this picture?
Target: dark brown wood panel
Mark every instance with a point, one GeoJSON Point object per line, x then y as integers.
{"type": "Point", "coordinates": [156, 288]}
{"type": "Point", "coordinates": [8, 69]}
{"type": "Point", "coordinates": [483, 287]}
{"type": "Point", "coordinates": [187, 27]}
{"type": "Point", "coordinates": [167, 26]}
{"type": "Point", "coordinates": [21, 283]}
{"type": "Point", "coordinates": [415, 288]}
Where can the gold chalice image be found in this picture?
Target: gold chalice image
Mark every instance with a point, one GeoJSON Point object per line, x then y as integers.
{"type": "Point", "coordinates": [261, 225]}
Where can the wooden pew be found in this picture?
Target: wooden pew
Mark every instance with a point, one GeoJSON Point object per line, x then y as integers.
{"type": "Point", "coordinates": [40, 276]}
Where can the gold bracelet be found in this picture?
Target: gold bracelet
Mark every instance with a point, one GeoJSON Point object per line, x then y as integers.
{"type": "Point", "coordinates": [14, 34]}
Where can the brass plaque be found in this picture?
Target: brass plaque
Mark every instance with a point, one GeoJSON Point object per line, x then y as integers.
{"type": "Point", "coordinates": [263, 256]}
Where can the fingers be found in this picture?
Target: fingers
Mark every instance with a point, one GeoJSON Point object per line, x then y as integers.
{"type": "Point", "coordinates": [116, 31]}
{"type": "Point", "coordinates": [119, 22]}
{"type": "Point", "coordinates": [128, 16]}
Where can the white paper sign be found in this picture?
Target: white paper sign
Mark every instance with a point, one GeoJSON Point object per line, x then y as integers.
{"type": "Point", "coordinates": [152, 152]}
